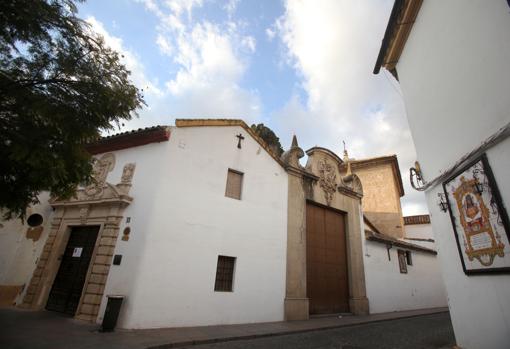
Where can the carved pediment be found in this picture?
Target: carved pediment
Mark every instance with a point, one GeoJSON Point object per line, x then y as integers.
{"type": "Point", "coordinates": [100, 190]}
{"type": "Point", "coordinates": [326, 165]}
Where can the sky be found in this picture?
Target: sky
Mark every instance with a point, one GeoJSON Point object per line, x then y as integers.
{"type": "Point", "coordinates": [300, 67]}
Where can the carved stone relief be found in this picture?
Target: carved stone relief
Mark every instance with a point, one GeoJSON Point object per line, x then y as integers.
{"type": "Point", "coordinates": [127, 173]}
{"type": "Point", "coordinates": [102, 167]}
{"type": "Point", "coordinates": [327, 179]}
{"type": "Point", "coordinates": [84, 213]}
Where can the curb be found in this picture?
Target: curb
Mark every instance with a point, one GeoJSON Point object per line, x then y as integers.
{"type": "Point", "coordinates": [281, 333]}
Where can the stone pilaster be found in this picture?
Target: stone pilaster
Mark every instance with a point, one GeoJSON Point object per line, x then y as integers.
{"type": "Point", "coordinates": [296, 302]}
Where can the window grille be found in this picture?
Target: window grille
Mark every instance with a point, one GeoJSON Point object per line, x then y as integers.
{"type": "Point", "coordinates": [224, 274]}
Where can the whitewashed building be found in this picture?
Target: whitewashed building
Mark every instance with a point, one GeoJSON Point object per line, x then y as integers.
{"type": "Point", "coordinates": [201, 224]}
{"type": "Point", "coordinates": [451, 59]}
{"type": "Point", "coordinates": [403, 273]}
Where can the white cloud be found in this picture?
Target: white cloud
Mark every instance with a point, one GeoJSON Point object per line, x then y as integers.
{"type": "Point", "coordinates": [270, 33]}
{"type": "Point", "coordinates": [178, 7]}
{"type": "Point", "coordinates": [230, 7]}
{"type": "Point", "coordinates": [249, 43]}
{"type": "Point", "coordinates": [332, 45]}
{"type": "Point", "coordinates": [211, 60]}
{"type": "Point", "coordinates": [164, 45]}
{"type": "Point", "coordinates": [127, 57]}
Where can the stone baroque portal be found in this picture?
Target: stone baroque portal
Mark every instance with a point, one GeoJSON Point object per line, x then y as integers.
{"type": "Point", "coordinates": [321, 185]}
{"type": "Point", "coordinates": [100, 204]}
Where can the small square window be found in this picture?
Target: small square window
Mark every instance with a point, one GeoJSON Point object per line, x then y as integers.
{"type": "Point", "coordinates": [234, 184]}
{"type": "Point", "coordinates": [224, 274]}
{"type": "Point", "coordinates": [402, 262]}
{"type": "Point", "coordinates": [409, 258]}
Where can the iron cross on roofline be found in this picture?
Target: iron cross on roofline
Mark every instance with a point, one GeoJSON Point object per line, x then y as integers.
{"type": "Point", "coordinates": [240, 137]}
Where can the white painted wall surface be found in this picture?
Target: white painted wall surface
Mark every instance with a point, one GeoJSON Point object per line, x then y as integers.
{"type": "Point", "coordinates": [420, 231]}
{"type": "Point", "coordinates": [455, 80]}
{"type": "Point", "coordinates": [181, 221]}
{"type": "Point", "coordinates": [388, 290]}
{"type": "Point", "coordinates": [18, 255]}
{"type": "Point", "coordinates": [479, 304]}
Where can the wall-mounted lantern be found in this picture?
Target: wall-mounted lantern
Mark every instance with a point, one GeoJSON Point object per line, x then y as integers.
{"type": "Point", "coordinates": [443, 205]}
{"type": "Point", "coordinates": [416, 177]}
{"type": "Point", "coordinates": [477, 186]}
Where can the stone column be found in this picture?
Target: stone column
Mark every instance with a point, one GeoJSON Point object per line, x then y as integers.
{"type": "Point", "coordinates": [296, 302]}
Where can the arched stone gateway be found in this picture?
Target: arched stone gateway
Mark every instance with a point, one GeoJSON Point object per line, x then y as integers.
{"type": "Point", "coordinates": [325, 272]}
{"type": "Point", "coordinates": [91, 218]}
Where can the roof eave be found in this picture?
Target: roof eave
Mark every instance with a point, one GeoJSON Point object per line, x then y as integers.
{"type": "Point", "coordinates": [402, 17]}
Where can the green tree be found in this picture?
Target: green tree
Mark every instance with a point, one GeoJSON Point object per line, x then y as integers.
{"type": "Point", "coordinates": [269, 137]}
{"type": "Point", "coordinates": [60, 87]}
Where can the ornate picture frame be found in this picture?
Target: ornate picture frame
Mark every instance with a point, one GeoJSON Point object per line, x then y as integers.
{"type": "Point", "coordinates": [479, 219]}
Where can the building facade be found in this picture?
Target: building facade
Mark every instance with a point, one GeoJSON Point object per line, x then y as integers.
{"type": "Point", "coordinates": [451, 61]}
{"type": "Point", "coordinates": [201, 224]}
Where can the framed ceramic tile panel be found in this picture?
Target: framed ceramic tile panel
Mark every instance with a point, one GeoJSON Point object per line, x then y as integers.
{"type": "Point", "coordinates": [479, 219]}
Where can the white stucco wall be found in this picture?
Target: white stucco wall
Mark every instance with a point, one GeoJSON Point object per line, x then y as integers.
{"type": "Point", "coordinates": [389, 290]}
{"type": "Point", "coordinates": [420, 231]}
{"type": "Point", "coordinates": [18, 254]}
{"type": "Point", "coordinates": [455, 80]}
{"type": "Point", "coordinates": [181, 221]}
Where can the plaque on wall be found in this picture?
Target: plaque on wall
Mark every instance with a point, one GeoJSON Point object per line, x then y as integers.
{"type": "Point", "coordinates": [479, 219]}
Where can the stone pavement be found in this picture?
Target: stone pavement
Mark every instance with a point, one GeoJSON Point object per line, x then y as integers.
{"type": "Point", "coordinates": [45, 330]}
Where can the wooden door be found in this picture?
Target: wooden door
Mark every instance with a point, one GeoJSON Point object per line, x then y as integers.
{"type": "Point", "coordinates": [326, 259]}
{"type": "Point", "coordinates": [68, 285]}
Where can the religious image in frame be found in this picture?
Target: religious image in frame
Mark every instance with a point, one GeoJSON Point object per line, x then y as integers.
{"type": "Point", "coordinates": [479, 219]}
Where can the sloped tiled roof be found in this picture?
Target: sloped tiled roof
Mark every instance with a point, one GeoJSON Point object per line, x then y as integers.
{"type": "Point", "coordinates": [388, 240]}
{"type": "Point", "coordinates": [129, 139]}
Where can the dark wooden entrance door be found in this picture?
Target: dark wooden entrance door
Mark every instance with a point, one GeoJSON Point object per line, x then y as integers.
{"type": "Point", "coordinates": [68, 285]}
{"type": "Point", "coordinates": [326, 261]}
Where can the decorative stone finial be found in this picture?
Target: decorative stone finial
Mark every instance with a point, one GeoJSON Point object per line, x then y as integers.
{"type": "Point", "coordinates": [346, 155]}
{"type": "Point", "coordinates": [294, 142]}
{"type": "Point", "coordinates": [291, 157]}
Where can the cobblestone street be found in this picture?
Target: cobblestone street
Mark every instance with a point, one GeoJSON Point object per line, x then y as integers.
{"type": "Point", "coordinates": [424, 332]}
{"type": "Point", "coordinates": [49, 330]}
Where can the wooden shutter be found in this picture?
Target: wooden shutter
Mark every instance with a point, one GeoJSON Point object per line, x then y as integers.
{"type": "Point", "coordinates": [234, 184]}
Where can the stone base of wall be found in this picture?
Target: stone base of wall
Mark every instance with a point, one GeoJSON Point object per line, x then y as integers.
{"type": "Point", "coordinates": [359, 306]}
{"type": "Point", "coordinates": [296, 309]}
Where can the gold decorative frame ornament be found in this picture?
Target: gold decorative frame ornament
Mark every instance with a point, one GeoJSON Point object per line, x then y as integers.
{"type": "Point", "coordinates": [480, 221]}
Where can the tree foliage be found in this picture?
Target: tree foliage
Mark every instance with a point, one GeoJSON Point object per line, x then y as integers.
{"type": "Point", "coordinates": [269, 137]}
{"type": "Point", "coordinates": [60, 87]}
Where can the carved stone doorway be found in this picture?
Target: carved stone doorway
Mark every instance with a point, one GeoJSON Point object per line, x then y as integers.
{"type": "Point", "coordinates": [101, 204]}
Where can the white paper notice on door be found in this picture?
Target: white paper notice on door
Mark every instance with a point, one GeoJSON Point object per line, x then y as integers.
{"type": "Point", "coordinates": [77, 251]}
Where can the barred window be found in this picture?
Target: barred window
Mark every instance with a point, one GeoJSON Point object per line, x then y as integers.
{"type": "Point", "coordinates": [234, 184]}
{"type": "Point", "coordinates": [224, 274]}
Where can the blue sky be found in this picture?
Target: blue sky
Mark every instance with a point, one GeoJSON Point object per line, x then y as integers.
{"type": "Point", "coordinates": [302, 67]}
